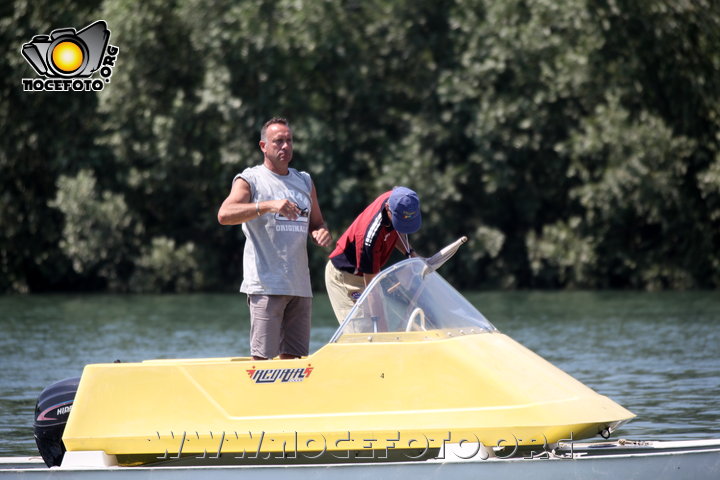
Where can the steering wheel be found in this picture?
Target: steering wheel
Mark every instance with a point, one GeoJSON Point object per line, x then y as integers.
{"type": "Point", "coordinates": [418, 313]}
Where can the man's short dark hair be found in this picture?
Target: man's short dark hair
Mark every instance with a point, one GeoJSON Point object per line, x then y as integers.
{"type": "Point", "coordinates": [272, 121]}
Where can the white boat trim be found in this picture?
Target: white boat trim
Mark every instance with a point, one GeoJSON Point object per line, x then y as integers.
{"type": "Point", "coordinates": [678, 460]}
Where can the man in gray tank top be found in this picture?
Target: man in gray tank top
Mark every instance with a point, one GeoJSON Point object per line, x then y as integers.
{"type": "Point", "coordinates": [278, 208]}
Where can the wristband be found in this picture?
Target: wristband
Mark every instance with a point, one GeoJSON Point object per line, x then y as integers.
{"type": "Point", "coordinates": [257, 208]}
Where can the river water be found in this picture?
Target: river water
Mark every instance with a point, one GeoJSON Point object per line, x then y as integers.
{"type": "Point", "coordinates": [657, 354]}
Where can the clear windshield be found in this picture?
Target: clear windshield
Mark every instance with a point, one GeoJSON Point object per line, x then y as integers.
{"type": "Point", "coordinates": [407, 298]}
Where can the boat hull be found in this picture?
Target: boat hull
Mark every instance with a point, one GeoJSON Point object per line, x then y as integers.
{"type": "Point", "coordinates": [412, 393]}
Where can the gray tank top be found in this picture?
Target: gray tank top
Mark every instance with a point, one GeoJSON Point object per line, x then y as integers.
{"type": "Point", "coordinates": [275, 260]}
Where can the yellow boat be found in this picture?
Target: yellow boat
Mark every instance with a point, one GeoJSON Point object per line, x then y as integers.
{"type": "Point", "coordinates": [414, 368]}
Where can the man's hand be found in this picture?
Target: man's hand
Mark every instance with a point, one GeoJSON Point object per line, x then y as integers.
{"type": "Point", "coordinates": [285, 207]}
{"type": "Point", "coordinates": [321, 236]}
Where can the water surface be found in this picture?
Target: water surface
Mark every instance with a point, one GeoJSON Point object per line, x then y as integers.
{"type": "Point", "coordinates": [656, 354]}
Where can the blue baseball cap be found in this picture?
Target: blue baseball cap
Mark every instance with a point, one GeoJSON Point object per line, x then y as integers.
{"type": "Point", "coordinates": [405, 208]}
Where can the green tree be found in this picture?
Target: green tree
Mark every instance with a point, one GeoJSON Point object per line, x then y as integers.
{"type": "Point", "coordinates": [574, 141]}
{"type": "Point", "coordinates": [44, 135]}
{"type": "Point", "coordinates": [100, 234]}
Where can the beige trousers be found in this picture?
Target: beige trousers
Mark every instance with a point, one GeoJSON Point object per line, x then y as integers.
{"type": "Point", "coordinates": [343, 290]}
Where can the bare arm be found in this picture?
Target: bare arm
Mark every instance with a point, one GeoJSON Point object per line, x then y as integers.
{"type": "Point", "coordinates": [368, 277]}
{"type": "Point", "coordinates": [401, 247]}
{"type": "Point", "coordinates": [375, 306]}
{"type": "Point", "coordinates": [318, 230]}
{"type": "Point", "coordinates": [237, 207]}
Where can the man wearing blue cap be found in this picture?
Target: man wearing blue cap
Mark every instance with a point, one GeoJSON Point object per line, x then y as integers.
{"type": "Point", "coordinates": [367, 244]}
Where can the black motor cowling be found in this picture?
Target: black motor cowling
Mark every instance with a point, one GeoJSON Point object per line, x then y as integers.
{"type": "Point", "coordinates": [51, 414]}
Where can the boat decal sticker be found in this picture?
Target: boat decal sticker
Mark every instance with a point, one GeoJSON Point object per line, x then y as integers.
{"type": "Point", "coordinates": [282, 375]}
{"type": "Point", "coordinates": [60, 409]}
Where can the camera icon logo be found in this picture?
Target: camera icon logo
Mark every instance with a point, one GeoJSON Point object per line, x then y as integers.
{"type": "Point", "coordinates": [67, 54]}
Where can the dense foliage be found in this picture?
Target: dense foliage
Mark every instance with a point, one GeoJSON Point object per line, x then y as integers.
{"type": "Point", "coordinates": [575, 142]}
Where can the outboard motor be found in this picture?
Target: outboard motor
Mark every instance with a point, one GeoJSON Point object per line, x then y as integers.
{"type": "Point", "coordinates": [51, 414]}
